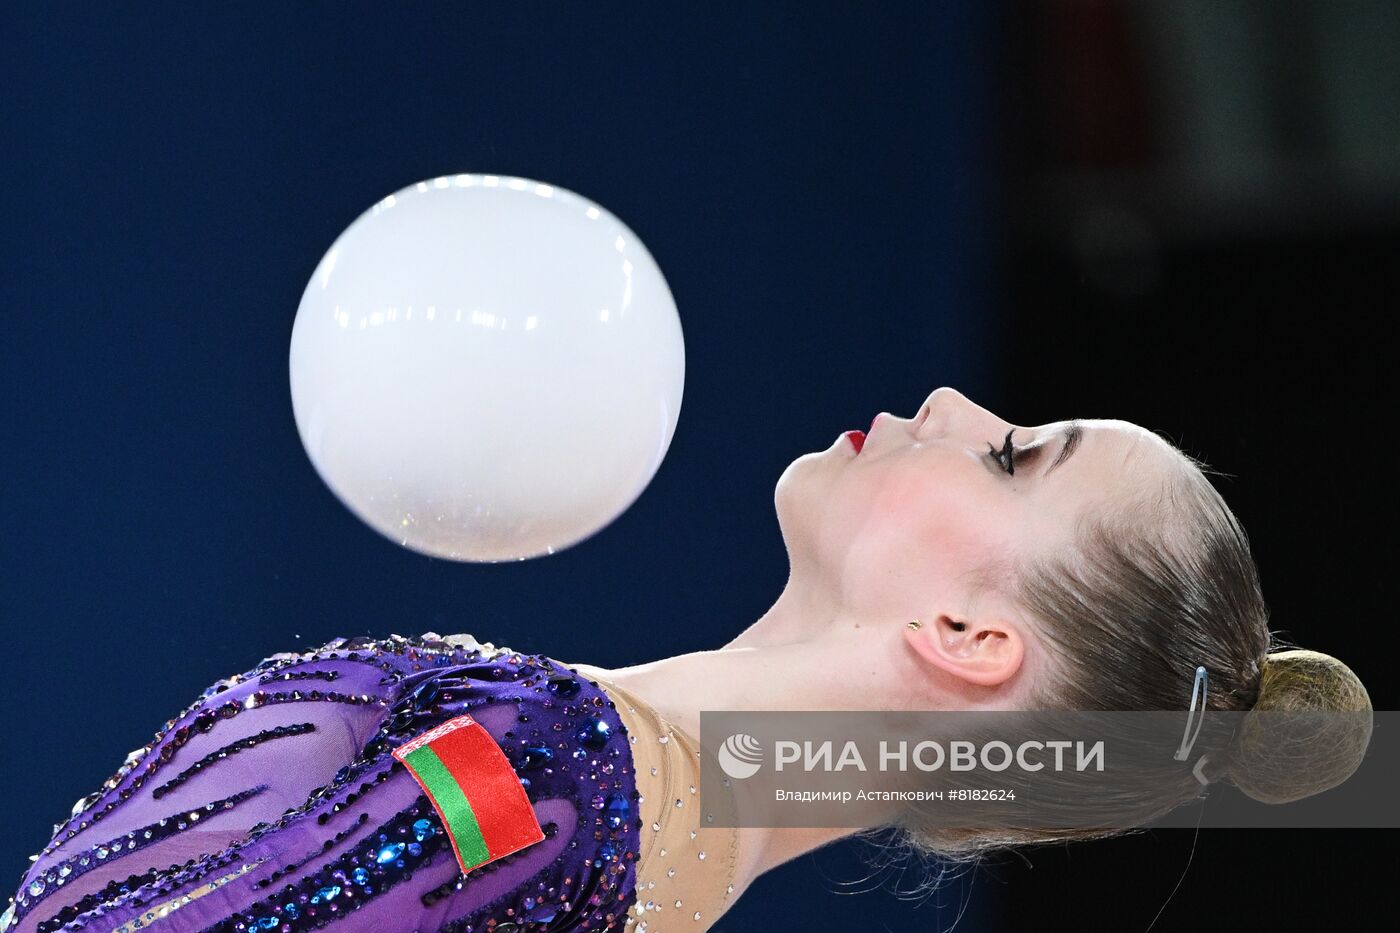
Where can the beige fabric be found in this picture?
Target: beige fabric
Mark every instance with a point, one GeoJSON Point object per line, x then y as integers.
{"type": "Point", "coordinates": [677, 889]}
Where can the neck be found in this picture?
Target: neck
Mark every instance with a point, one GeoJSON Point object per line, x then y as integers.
{"type": "Point", "coordinates": [816, 675]}
{"type": "Point", "coordinates": [841, 664]}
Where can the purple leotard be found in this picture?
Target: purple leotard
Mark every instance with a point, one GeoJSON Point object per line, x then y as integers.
{"type": "Point", "coordinates": [273, 803]}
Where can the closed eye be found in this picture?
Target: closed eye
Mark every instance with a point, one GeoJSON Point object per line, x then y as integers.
{"type": "Point", "coordinates": [1008, 457]}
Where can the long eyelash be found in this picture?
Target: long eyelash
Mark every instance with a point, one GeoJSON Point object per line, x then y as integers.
{"type": "Point", "coordinates": [1006, 457]}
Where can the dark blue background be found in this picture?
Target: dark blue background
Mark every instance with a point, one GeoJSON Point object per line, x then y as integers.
{"type": "Point", "coordinates": [1185, 215]}
{"type": "Point", "coordinates": [811, 181]}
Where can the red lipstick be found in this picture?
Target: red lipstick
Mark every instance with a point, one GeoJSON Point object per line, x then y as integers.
{"type": "Point", "coordinates": [857, 438]}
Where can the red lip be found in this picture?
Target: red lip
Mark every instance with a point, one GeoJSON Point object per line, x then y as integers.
{"type": "Point", "coordinates": [857, 438]}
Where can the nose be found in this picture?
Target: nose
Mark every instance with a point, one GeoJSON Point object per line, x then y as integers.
{"type": "Point", "coordinates": [948, 412]}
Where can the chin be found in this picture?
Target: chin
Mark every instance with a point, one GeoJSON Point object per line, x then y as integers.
{"type": "Point", "coordinates": [797, 494]}
{"type": "Point", "coordinates": [795, 477]}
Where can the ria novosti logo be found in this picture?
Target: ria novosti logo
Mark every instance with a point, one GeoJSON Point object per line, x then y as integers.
{"type": "Point", "coordinates": [740, 756]}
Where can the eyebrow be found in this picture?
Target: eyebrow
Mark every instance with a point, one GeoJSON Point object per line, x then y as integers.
{"type": "Point", "coordinates": [1073, 434]}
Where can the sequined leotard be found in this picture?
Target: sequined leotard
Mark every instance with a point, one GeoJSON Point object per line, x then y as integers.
{"type": "Point", "coordinates": [274, 803]}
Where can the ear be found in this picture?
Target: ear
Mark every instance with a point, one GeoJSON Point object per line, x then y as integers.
{"type": "Point", "coordinates": [983, 651]}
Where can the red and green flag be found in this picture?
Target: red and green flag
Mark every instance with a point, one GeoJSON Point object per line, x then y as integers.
{"type": "Point", "coordinates": [474, 789]}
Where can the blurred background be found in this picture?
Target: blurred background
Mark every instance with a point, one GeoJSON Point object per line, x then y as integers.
{"type": "Point", "coordinates": [1183, 214]}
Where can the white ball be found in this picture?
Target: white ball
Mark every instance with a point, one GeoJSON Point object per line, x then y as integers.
{"type": "Point", "coordinates": [487, 368]}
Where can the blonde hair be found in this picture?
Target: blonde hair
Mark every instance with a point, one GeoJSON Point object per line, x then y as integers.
{"type": "Point", "coordinates": [1280, 765]}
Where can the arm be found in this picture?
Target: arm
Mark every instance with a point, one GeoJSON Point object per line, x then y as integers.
{"type": "Point", "coordinates": [275, 802]}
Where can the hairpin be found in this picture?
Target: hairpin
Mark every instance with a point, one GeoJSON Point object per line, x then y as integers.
{"type": "Point", "coordinates": [1188, 737]}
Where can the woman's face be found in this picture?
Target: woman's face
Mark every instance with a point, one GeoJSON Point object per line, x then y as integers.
{"type": "Point", "coordinates": [926, 505]}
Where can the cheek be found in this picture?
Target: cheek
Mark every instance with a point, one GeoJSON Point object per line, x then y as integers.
{"type": "Point", "coordinates": [935, 517]}
{"type": "Point", "coordinates": [918, 527]}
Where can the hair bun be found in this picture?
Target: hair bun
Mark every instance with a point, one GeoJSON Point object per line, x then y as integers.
{"type": "Point", "coordinates": [1278, 758]}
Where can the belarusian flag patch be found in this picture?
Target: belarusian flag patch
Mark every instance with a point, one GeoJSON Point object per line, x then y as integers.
{"type": "Point", "coordinates": [474, 789]}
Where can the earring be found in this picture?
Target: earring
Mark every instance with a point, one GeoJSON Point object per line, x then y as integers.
{"type": "Point", "coordinates": [916, 625]}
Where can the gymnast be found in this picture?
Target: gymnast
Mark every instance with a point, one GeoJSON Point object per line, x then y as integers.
{"type": "Point", "coordinates": [948, 561]}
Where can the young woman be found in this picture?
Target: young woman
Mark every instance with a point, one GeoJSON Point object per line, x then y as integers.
{"type": "Point", "coordinates": [946, 562]}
